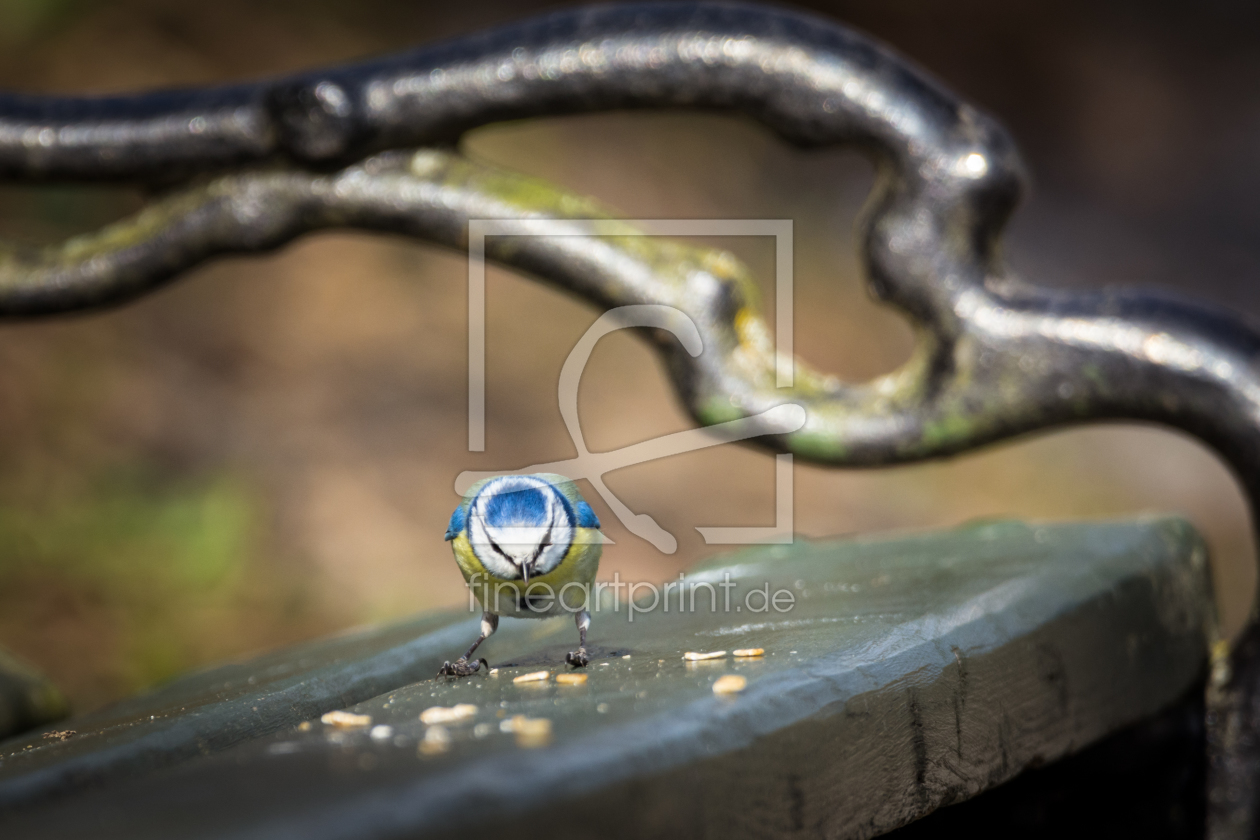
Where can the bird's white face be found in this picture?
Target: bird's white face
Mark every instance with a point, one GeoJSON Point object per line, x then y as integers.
{"type": "Point", "coordinates": [520, 527]}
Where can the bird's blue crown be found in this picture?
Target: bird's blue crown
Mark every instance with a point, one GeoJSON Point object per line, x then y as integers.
{"type": "Point", "coordinates": [509, 503]}
{"type": "Point", "coordinates": [521, 525]}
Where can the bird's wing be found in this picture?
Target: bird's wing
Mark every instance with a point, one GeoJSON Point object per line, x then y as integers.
{"type": "Point", "coordinates": [459, 519]}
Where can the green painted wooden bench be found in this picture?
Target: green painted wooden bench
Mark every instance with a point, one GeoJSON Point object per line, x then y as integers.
{"type": "Point", "coordinates": [911, 672]}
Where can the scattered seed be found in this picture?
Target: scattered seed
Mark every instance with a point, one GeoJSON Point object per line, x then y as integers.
{"type": "Point", "coordinates": [534, 676]}
{"type": "Point", "coordinates": [729, 684]}
{"type": "Point", "coordinates": [494, 672]}
{"type": "Point", "coordinates": [602, 708]}
{"type": "Point", "coordinates": [481, 730]}
{"type": "Point", "coordinates": [443, 714]}
{"type": "Point", "coordinates": [537, 734]}
{"type": "Point", "coordinates": [692, 656]}
{"type": "Point", "coordinates": [381, 733]}
{"type": "Point", "coordinates": [627, 656]}
{"type": "Point", "coordinates": [570, 679]}
{"type": "Point", "coordinates": [305, 726]}
{"type": "Point", "coordinates": [748, 652]}
{"type": "Point", "coordinates": [530, 732]}
{"type": "Point", "coordinates": [436, 740]}
{"type": "Point", "coordinates": [346, 720]}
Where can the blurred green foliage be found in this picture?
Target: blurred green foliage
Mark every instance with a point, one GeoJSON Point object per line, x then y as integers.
{"type": "Point", "coordinates": [27, 698]}
{"type": "Point", "coordinates": [126, 533]}
{"type": "Point", "coordinates": [140, 551]}
{"type": "Point", "coordinates": [22, 20]}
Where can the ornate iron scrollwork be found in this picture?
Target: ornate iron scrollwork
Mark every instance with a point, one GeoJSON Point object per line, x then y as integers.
{"type": "Point", "coordinates": [370, 146]}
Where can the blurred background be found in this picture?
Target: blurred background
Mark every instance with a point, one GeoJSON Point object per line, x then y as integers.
{"type": "Point", "coordinates": [265, 450]}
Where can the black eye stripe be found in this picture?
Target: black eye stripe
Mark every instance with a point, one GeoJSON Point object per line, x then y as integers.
{"type": "Point", "coordinates": [546, 541]}
{"type": "Point", "coordinates": [559, 517]}
{"type": "Point", "coordinates": [494, 546]}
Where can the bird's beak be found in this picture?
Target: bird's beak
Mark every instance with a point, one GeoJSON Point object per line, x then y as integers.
{"type": "Point", "coordinates": [525, 572]}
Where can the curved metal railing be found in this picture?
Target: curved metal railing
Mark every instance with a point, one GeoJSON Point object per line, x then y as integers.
{"type": "Point", "coordinates": [371, 146]}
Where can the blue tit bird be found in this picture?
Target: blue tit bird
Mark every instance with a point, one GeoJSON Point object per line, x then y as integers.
{"type": "Point", "coordinates": [529, 547]}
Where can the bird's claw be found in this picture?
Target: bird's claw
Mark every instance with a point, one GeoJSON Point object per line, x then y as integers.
{"type": "Point", "coordinates": [577, 658]}
{"type": "Point", "coordinates": [462, 667]}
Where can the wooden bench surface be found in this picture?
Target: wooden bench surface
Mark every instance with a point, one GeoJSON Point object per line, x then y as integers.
{"type": "Point", "coordinates": [911, 672]}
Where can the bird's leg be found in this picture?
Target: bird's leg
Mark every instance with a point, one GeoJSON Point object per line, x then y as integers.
{"type": "Point", "coordinates": [462, 667]}
{"type": "Point", "coordinates": [578, 658]}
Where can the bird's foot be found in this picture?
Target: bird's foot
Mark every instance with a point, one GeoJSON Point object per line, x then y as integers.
{"type": "Point", "coordinates": [462, 667]}
{"type": "Point", "coordinates": [577, 658]}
